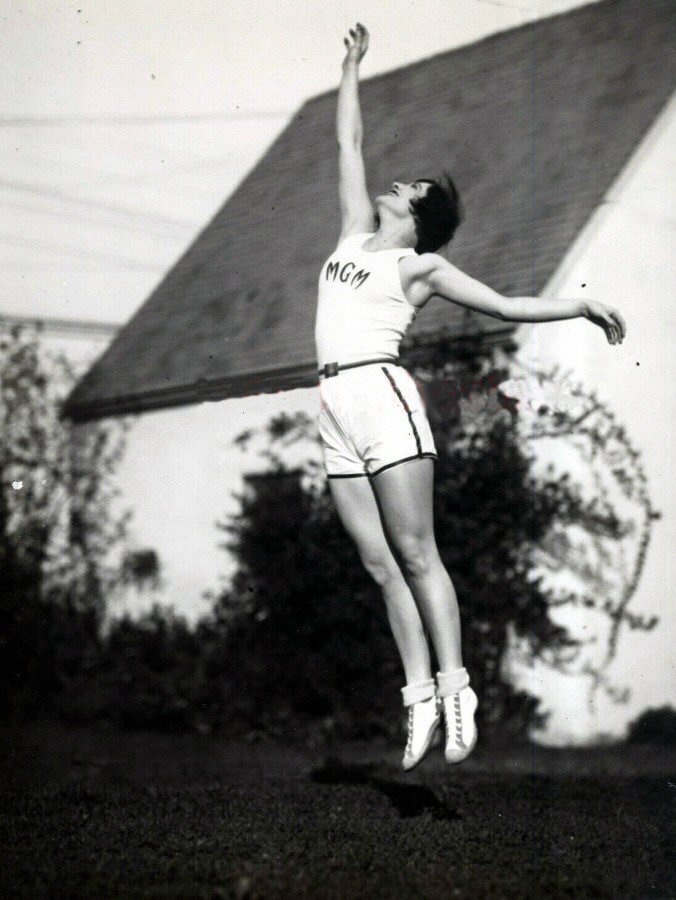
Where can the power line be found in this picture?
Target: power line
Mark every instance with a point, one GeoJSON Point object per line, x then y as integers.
{"type": "Point", "coordinates": [73, 215]}
{"type": "Point", "coordinates": [50, 121]}
{"type": "Point", "coordinates": [504, 5]}
{"type": "Point", "coordinates": [53, 194]}
{"type": "Point", "coordinates": [78, 327]}
{"type": "Point", "coordinates": [32, 243]}
{"type": "Point", "coordinates": [62, 268]}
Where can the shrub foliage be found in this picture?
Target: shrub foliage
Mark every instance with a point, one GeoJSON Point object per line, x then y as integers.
{"type": "Point", "coordinates": [57, 528]}
{"type": "Point", "coordinates": [298, 644]}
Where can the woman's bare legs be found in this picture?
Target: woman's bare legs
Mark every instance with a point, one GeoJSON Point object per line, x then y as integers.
{"type": "Point", "coordinates": [404, 495]}
{"type": "Point", "coordinates": [392, 515]}
{"type": "Point", "coordinates": [358, 510]}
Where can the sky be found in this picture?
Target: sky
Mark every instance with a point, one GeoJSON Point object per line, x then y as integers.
{"type": "Point", "coordinates": [124, 126]}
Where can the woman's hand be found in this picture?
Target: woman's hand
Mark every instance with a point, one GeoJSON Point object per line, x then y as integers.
{"type": "Point", "coordinates": [357, 45]}
{"type": "Point", "coordinates": [608, 318]}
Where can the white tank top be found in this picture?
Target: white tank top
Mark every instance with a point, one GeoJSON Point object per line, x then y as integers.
{"type": "Point", "coordinates": [362, 311]}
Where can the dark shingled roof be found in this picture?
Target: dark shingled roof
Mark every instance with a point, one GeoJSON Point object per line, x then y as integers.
{"type": "Point", "coordinates": [534, 124]}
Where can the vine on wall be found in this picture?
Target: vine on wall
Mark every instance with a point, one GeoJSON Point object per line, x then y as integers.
{"type": "Point", "coordinates": [609, 559]}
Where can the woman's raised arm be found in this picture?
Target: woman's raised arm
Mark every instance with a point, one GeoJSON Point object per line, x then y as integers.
{"type": "Point", "coordinates": [356, 210]}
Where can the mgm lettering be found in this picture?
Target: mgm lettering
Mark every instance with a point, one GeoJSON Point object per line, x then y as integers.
{"type": "Point", "coordinates": [346, 273]}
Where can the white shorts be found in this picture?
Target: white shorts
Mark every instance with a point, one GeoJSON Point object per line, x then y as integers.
{"type": "Point", "coordinates": [372, 418]}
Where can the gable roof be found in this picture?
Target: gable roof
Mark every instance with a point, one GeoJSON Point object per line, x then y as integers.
{"type": "Point", "coordinates": [534, 123]}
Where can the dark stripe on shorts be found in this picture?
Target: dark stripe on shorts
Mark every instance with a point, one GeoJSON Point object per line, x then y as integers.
{"type": "Point", "coordinates": [406, 407]}
{"type": "Point", "coordinates": [355, 475]}
{"type": "Point", "coordinates": [405, 459]}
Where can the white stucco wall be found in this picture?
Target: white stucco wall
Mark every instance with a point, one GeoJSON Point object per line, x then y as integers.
{"type": "Point", "coordinates": [626, 257]}
{"type": "Point", "coordinates": [179, 476]}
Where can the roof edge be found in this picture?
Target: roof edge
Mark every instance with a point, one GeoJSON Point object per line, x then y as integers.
{"type": "Point", "coordinates": [246, 385]}
{"type": "Point", "coordinates": [459, 48]}
{"type": "Point", "coordinates": [204, 389]}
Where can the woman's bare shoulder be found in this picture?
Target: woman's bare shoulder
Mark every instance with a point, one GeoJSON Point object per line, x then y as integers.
{"type": "Point", "coordinates": [416, 265]}
{"type": "Point", "coordinates": [414, 272]}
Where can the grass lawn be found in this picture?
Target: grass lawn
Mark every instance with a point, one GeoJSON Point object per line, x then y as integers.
{"type": "Point", "coordinates": [90, 813]}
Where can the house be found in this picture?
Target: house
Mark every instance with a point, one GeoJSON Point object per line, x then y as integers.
{"type": "Point", "coordinates": [560, 136]}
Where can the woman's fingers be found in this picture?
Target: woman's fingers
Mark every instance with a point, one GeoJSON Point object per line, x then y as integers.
{"type": "Point", "coordinates": [613, 324]}
{"type": "Point", "coordinates": [617, 322]}
{"type": "Point", "coordinates": [619, 325]}
{"type": "Point", "coordinates": [620, 322]}
{"type": "Point", "coordinates": [359, 35]}
{"type": "Point", "coordinates": [608, 327]}
{"type": "Point", "coordinates": [609, 319]}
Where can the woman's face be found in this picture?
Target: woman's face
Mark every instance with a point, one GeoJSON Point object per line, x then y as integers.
{"type": "Point", "coordinates": [398, 198]}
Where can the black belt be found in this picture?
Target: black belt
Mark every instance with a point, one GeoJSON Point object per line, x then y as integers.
{"type": "Point", "coordinates": [333, 368]}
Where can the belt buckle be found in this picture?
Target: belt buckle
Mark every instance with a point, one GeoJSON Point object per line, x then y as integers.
{"type": "Point", "coordinates": [331, 369]}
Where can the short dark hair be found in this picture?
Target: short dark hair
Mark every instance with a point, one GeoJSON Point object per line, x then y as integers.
{"type": "Point", "coordinates": [437, 214]}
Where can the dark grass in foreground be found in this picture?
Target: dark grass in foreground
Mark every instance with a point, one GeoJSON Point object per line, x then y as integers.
{"type": "Point", "coordinates": [91, 814]}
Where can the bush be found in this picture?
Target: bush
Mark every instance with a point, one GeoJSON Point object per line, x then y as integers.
{"type": "Point", "coordinates": [654, 726]}
{"type": "Point", "coordinates": [57, 530]}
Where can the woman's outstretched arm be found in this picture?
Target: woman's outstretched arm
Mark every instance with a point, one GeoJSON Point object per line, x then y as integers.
{"type": "Point", "coordinates": [437, 277]}
{"type": "Point", "coordinates": [356, 211]}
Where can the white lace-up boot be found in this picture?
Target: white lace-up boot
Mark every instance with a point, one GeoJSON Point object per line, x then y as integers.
{"type": "Point", "coordinates": [459, 705]}
{"type": "Point", "coordinates": [424, 717]}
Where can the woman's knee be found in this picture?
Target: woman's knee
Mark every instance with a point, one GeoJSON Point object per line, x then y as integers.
{"type": "Point", "coordinates": [382, 567]}
{"type": "Point", "coordinates": [418, 554]}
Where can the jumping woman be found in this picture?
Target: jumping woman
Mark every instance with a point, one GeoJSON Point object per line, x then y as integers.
{"type": "Point", "coordinates": [378, 447]}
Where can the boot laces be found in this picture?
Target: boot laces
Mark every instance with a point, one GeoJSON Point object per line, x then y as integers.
{"type": "Point", "coordinates": [456, 714]}
{"type": "Point", "coordinates": [409, 743]}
